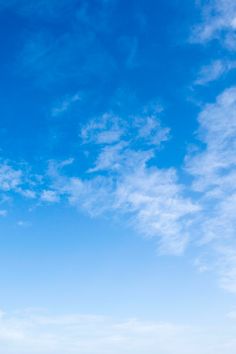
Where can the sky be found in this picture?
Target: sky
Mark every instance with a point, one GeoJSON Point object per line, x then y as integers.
{"type": "Point", "coordinates": [118, 177]}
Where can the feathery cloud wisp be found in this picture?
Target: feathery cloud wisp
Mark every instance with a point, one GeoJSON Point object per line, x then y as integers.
{"type": "Point", "coordinates": [218, 22]}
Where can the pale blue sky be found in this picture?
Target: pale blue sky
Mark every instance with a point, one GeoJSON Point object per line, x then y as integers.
{"type": "Point", "coordinates": [117, 177]}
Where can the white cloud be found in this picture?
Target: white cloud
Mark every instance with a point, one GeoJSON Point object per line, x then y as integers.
{"type": "Point", "coordinates": [219, 22]}
{"type": "Point", "coordinates": [215, 70]}
{"type": "Point", "coordinates": [17, 180]}
{"type": "Point", "coordinates": [155, 198]}
{"type": "Point", "coordinates": [122, 182]}
{"type": "Point", "coordinates": [106, 130]}
{"type": "Point", "coordinates": [10, 178]}
{"type": "Point", "coordinates": [38, 332]}
{"type": "Point", "coordinates": [50, 196]}
{"type": "Point", "coordinates": [110, 129]}
{"type": "Point", "coordinates": [214, 167]}
{"type": "Point", "coordinates": [150, 130]}
{"type": "Point", "coordinates": [214, 171]}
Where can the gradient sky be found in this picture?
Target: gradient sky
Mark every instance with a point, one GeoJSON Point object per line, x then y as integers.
{"type": "Point", "coordinates": [118, 177]}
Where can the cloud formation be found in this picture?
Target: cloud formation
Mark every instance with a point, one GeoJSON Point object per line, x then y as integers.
{"type": "Point", "coordinates": [123, 180]}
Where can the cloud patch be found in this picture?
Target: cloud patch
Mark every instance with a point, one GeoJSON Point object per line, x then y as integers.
{"type": "Point", "coordinates": [218, 22]}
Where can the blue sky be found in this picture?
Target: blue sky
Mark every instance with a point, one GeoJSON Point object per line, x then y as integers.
{"type": "Point", "coordinates": [117, 177]}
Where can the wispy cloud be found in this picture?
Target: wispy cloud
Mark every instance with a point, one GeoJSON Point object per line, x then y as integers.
{"type": "Point", "coordinates": [49, 196]}
{"type": "Point", "coordinates": [214, 71]}
{"type": "Point", "coordinates": [10, 178]}
{"type": "Point", "coordinates": [121, 180]}
{"type": "Point", "coordinates": [214, 171]}
{"type": "Point", "coordinates": [218, 22]}
{"type": "Point", "coordinates": [15, 179]}
{"type": "Point", "coordinates": [214, 166]}
{"type": "Point", "coordinates": [107, 129]}
{"type": "Point", "coordinates": [37, 331]}
{"type": "Point", "coordinates": [65, 104]}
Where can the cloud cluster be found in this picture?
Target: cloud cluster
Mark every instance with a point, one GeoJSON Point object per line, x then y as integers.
{"type": "Point", "coordinates": [123, 180]}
